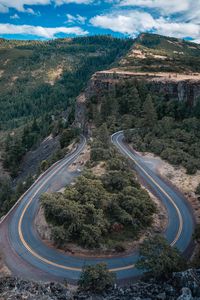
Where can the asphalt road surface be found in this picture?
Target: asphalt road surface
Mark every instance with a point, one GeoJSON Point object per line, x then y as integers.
{"type": "Point", "coordinates": [29, 257]}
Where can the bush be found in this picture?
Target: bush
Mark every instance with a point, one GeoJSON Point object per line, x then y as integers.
{"type": "Point", "coordinates": [96, 278]}
{"type": "Point", "coordinates": [197, 233]}
{"type": "Point", "coordinates": [198, 189]}
{"type": "Point", "coordinates": [99, 154]}
{"type": "Point", "coordinates": [159, 259]}
{"type": "Point", "coordinates": [44, 165]}
{"type": "Point", "coordinates": [87, 212]}
{"type": "Point", "coordinates": [67, 136]}
{"type": "Point", "coordinates": [191, 167]}
{"type": "Point", "coordinates": [196, 257]}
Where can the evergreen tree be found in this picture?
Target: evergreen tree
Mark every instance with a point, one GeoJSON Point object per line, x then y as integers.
{"type": "Point", "coordinates": [134, 102]}
{"type": "Point", "coordinates": [158, 258]}
{"type": "Point", "coordinates": [103, 135]}
{"type": "Point", "coordinates": [149, 113]}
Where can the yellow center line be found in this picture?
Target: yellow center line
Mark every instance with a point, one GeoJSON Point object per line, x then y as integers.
{"type": "Point", "coordinates": [43, 259]}
{"type": "Point", "coordinates": [160, 188]}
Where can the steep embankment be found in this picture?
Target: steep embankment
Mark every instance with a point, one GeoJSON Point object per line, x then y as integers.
{"type": "Point", "coordinates": [169, 66]}
{"type": "Point", "coordinates": [40, 77]}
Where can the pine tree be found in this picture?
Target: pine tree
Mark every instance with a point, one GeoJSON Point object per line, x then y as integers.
{"type": "Point", "coordinates": [134, 102]}
{"type": "Point", "coordinates": [149, 113]}
{"type": "Point", "coordinates": [104, 135]}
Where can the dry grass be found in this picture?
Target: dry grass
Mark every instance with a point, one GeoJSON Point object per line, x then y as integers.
{"type": "Point", "coordinates": [187, 184]}
{"type": "Point", "coordinates": [54, 74]}
{"type": "Point", "coordinates": [99, 169]}
{"type": "Point", "coordinates": [155, 76]}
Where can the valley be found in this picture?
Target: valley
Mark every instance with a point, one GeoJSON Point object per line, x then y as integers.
{"type": "Point", "coordinates": [103, 141]}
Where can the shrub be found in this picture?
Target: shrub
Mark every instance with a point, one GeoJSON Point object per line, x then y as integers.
{"type": "Point", "coordinates": [191, 167]}
{"type": "Point", "coordinates": [158, 258]}
{"type": "Point", "coordinates": [198, 189]}
{"type": "Point", "coordinates": [96, 278]}
{"type": "Point", "coordinates": [67, 136]}
{"type": "Point", "coordinates": [99, 154]}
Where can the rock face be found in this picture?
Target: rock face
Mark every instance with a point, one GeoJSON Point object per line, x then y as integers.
{"type": "Point", "coordinates": [188, 279]}
{"type": "Point", "coordinates": [182, 286]}
{"type": "Point", "coordinates": [13, 288]}
{"type": "Point", "coordinates": [80, 111]}
{"type": "Point", "coordinates": [182, 87]}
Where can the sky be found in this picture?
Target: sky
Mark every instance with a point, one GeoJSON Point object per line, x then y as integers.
{"type": "Point", "coordinates": [49, 19]}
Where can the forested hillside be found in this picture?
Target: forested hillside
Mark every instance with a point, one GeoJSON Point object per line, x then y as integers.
{"type": "Point", "coordinates": [39, 81]}
{"type": "Point", "coordinates": [156, 53]}
{"type": "Point", "coordinates": [168, 128]}
{"type": "Point", "coordinates": [38, 78]}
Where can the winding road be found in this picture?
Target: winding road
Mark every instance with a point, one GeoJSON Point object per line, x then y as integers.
{"type": "Point", "coordinates": [29, 257]}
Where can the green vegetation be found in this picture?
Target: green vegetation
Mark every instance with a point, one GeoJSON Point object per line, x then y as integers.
{"type": "Point", "coordinates": [198, 189]}
{"type": "Point", "coordinates": [38, 85]}
{"type": "Point", "coordinates": [165, 127]}
{"type": "Point", "coordinates": [68, 135]}
{"type": "Point", "coordinates": [18, 143]}
{"type": "Point", "coordinates": [100, 211]}
{"type": "Point", "coordinates": [159, 259]}
{"type": "Point", "coordinates": [197, 233]}
{"type": "Point", "coordinates": [16, 146]}
{"type": "Point", "coordinates": [162, 54]}
{"type": "Point", "coordinates": [96, 279]}
{"type": "Point", "coordinates": [43, 78]}
{"type": "Point", "coordinates": [196, 257]}
{"type": "Point", "coordinates": [8, 195]}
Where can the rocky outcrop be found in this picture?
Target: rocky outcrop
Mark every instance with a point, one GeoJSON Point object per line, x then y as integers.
{"type": "Point", "coordinates": [80, 111]}
{"type": "Point", "coordinates": [182, 286]}
{"type": "Point", "coordinates": [13, 288]}
{"type": "Point", "coordinates": [185, 88]}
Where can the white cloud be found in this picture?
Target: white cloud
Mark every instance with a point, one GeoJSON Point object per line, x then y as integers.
{"type": "Point", "coordinates": [75, 19]}
{"type": "Point", "coordinates": [20, 5]}
{"type": "Point", "coordinates": [15, 16]}
{"type": "Point", "coordinates": [193, 13]}
{"type": "Point", "coordinates": [165, 6]}
{"type": "Point", "coordinates": [30, 11]}
{"type": "Point", "coordinates": [44, 32]}
{"type": "Point", "coordinates": [132, 22]}
{"type": "Point", "coordinates": [175, 29]}
{"type": "Point", "coordinates": [60, 2]}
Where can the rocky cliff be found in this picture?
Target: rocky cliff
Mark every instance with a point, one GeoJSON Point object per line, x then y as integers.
{"type": "Point", "coordinates": [184, 87]}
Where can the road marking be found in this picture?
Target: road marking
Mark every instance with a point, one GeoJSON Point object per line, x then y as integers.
{"type": "Point", "coordinates": [25, 193]}
{"type": "Point", "coordinates": [26, 207]}
{"type": "Point", "coordinates": [79, 269]}
{"type": "Point", "coordinates": [161, 189]}
{"type": "Point", "coordinates": [39, 256]}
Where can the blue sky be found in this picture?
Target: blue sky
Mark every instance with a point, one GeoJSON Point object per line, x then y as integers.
{"type": "Point", "coordinates": [47, 19]}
